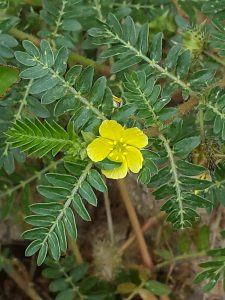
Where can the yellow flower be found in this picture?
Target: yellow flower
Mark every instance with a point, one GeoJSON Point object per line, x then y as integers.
{"type": "Point", "coordinates": [119, 145]}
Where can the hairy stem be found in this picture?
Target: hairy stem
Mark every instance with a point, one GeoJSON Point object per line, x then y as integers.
{"type": "Point", "coordinates": [177, 186]}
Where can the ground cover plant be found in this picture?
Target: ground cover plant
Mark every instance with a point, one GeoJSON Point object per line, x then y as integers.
{"type": "Point", "coordinates": [112, 149]}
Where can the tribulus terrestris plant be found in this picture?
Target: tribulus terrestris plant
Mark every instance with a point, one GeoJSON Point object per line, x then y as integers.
{"type": "Point", "coordinates": [99, 90]}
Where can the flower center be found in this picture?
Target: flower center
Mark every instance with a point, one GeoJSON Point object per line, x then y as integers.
{"type": "Point", "coordinates": [118, 150]}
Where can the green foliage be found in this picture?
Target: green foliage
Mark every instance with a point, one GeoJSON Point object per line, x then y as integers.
{"type": "Point", "coordinates": [38, 138]}
{"type": "Point", "coordinates": [130, 44]}
{"type": "Point", "coordinates": [213, 270]}
{"type": "Point", "coordinates": [57, 107]}
{"type": "Point", "coordinates": [75, 92]}
{"type": "Point", "coordinates": [55, 216]}
{"type": "Point", "coordinates": [70, 280]}
{"type": "Point", "coordinates": [60, 17]}
{"type": "Point", "coordinates": [8, 77]}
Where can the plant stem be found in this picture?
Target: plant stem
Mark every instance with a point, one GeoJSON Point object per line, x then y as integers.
{"type": "Point", "coordinates": [180, 257]}
{"type": "Point", "coordinates": [23, 282]}
{"type": "Point", "coordinates": [109, 217]}
{"type": "Point", "coordinates": [201, 124]}
{"type": "Point", "coordinates": [75, 250]}
{"type": "Point", "coordinates": [148, 224]}
{"type": "Point", "coordinates": [215, 58]}
{"type": "Point", "coordinates": [147, 260]}
{"type": "Point", "coordinates": [19, 34]}
{"type": "Point", "coordinates": [135, 291]}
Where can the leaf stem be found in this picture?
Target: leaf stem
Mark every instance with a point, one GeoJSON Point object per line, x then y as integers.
{"type": "Point", "coordinates": [30, 179]}
{"type": "Point", "coordinates": [180, 257]}
{"type": "Point", "coordinates": [68, 201]}
{"type": "Point", "coordinates": [17, 116]}
{"type": "Point", "coordinates": [153, 64]}
{"type": "Point", "coordinates": [175, 177]}
{"type": "Point", "coordinates": [83, 100]}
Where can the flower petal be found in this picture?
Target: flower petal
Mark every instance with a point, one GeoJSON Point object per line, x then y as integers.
{"type": "Point", "coordinates": [110, 129]}
{"type": "Point", "coordinates": [99, 149]}
{"type": "Point", "coordinates": [117, 173]}
{"type": "Point", "coordinates": [134, 159]}
{"type": "Point", "coordinates": [135, 137]}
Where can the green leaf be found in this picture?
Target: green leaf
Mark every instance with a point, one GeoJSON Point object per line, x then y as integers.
{"type": "Point", "coordinates": [157, 288]}
{"type": "Point", "coordinates": [45, 208]}
{"type": "Point", "coordinates": [25, 58]}
{"type": "Point", "coordinates": [107, 164]}
{"type": "Point", "coordinates": [31, 48]}
{"type": "Point", "coordinates": [142, 43]}
{"type": "Point", "coordinates": [70, 223]}
{"type": "Point", "coordinates": [87, 193]}
{"type": "Point", "coordinates": [47, 53]}
{"type": "Point", "coordinates": [52, 272]}
{"type": "Point", "coordinates": [80, 208]}
{"type": "Point", "coordinates": [42, 254]}
{"type": "Point", "coordinates": [35, 106]}
{"type": "Point", "coordinates": [185, 146]}
{"type": "Point", "coordinates": [96, 180]}
{"type": "Point", "coordinates": [44, 221]}
{"type": "Point", "coordinates": [8, 77]}
{"type": "Point", "coordinates": [71, 25]}
{"type": "Point", "coordinates": [54, 245]}
{"type": "Point", "coordinates": [53, 193]}
{"type": "Point", "coordinates": [61, 180]}
{"type": "Point", "coordinates": [183, 64]}
{"type": "Point", "coordinates": [189, 169]}
{"type": "Point", "coordinates": [216, 252]}
{"type": "Point", "coordinates": [35, 233]}
{"type": "Point", "coordinates": [38, 138]}
{"type": "Point", "coordinates": [212, 282]}
{"type": "Point", "coordinates": [61, 234]}
{"type": "Point", "coordinates": [97, 91]}
{"type": "Point", "coordinates": [58, 285]}
{"type": "Point", "coordinates": [156, 47]}
{"type": "Point", "coordinates": [67, 294]}
{"type": "Point", "coordinates": [33, 247]}
{"type": "Point", "coordinates": [125, 62]}
{"type": "Point", "coordinates": [79, 272]}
